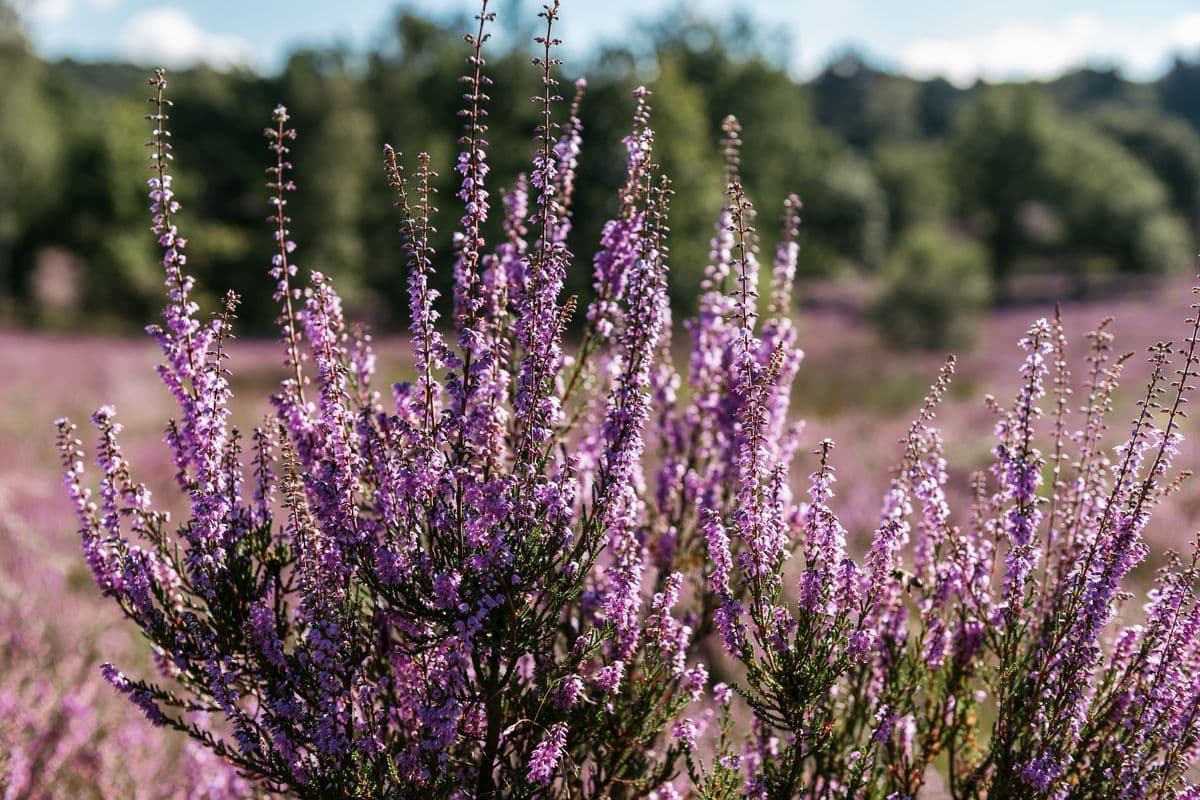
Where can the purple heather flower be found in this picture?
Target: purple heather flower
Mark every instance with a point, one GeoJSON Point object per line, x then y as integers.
{"type": "Point", "coordinates": [138, 696]}
{"type": "Point", "coordinates": [544, 760]}
{"type": "Point", "coordinates": [567, 693]}
{"type": "Point", "coordinates": [608, 678]}
{"type": "Point", "coordinates": [685, 731]}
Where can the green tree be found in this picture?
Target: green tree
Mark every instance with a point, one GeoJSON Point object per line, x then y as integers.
{"type": "Point", "coordinates": [1034, 182]}
{"type": "Point", "coordinates": [1165, 144]}
{"type": "Point", "coordinates": [913, 177]}
{"type": "Point", "coordinates": [105, 200]}
{"type": "Point", "coordinates": [997, 157]}
{"type": "Point", "coordinates": [866, 106]}
{"type": "Point", "coordinates": [1113, 207]}
{"type": "Point", "coordinates": [933, 290]}
{"type": "Point", "coordinates": [30, 154]}
{"type": "Point", "coordinates": [1178, 89]}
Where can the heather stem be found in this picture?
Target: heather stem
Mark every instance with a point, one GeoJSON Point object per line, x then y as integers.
{"type": "Point", "coordinates": [282, 269]}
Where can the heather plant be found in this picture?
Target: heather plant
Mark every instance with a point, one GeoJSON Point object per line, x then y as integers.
{"type": "Point", "coordinates": [988, 650]}
{"type": "Point", "coordinates": [437, 588]}
{"type": "Point", "coordinates": [501, 578]}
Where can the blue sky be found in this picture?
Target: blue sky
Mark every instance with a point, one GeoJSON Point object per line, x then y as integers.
{"type": "Point", "coordinates": [960, 39]}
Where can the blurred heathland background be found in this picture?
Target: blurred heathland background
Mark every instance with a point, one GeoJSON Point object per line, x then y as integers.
{"type": "Point", "coordinates": [960, 171]}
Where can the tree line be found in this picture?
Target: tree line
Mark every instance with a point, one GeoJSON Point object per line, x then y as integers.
{"type": "Point", "coordinates": [943, 198]}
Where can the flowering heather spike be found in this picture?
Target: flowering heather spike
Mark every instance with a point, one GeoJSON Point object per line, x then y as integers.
{"type": "Point", "coordinates": [759, 520]}
{"type": "Point", "coordinates": [567, 150]}
{"type": "Point", "coordinates": [335, 488]}
{"type": "Point", "coordinates": [509, 254]}
{"type": "Point", "coordinates": [625, 419]}
{"type": "Point", "coordinates": [95, 550]}
{"type": "Point", "coordinates": [429, 351]}
{"type": "Point", "coordinates": [714, 333]}
{"type": "Point", "coordinates": [282, 270]}
{"type": "Point", "coordinates": [1091, 463]}
{"type": "Point", "coordinates": [824, 538]}
{"type": "Point", "coordinates": [621, 244]}
{"type": "Point", "coordinates": [181, 337]}
{"type": "Point", "coordinates": [1019, 468]}
{"type": "Point", "coordinates": [731, 149]}
{"type": "Point", "coordinates": [491, 417]}
{"type": "Point", "coordinates": [620, 239]}
{"type": "Point", "coordinates": [884, 595]}
{"type": "Point", "coordinates": [745, 254]}
{"type": "Point", "coordinates": [139, 697]}
{"type": "Point", "coordinates": [544, 761]}
{"type": "Point", "coordinates": [538, 327]}
{"type": "Point", "coordinates": [194, 370]}
{"type": "Point", "coordinates": [1062, 399]}
{"type": "Point", "coordinates": [779, 336]}
{"type": "Point", "coordinates": [785, 259]}
{"type": "Point", "coordinates": [472, 166]}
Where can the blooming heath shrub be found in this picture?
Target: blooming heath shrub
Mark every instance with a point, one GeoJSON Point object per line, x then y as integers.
{"type": "Point", "coordinates": [514, 575]}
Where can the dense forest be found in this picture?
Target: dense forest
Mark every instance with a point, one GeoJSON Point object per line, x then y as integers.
{"type": "Point", "coordinates": [940, 199]}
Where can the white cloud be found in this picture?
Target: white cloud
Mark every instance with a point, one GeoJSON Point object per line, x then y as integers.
{"type": "Point", "coordinates": [53, 11]}
{"type": "Point", "coordinates": [1185, 30]}
{"type": "Point", "coordinates": [1031, 50]}
{"type": "Point", "coordinates": [169, 37]}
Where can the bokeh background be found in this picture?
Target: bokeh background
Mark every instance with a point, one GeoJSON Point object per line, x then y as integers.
{"type": "Point", "coordinates": [962, 171]}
